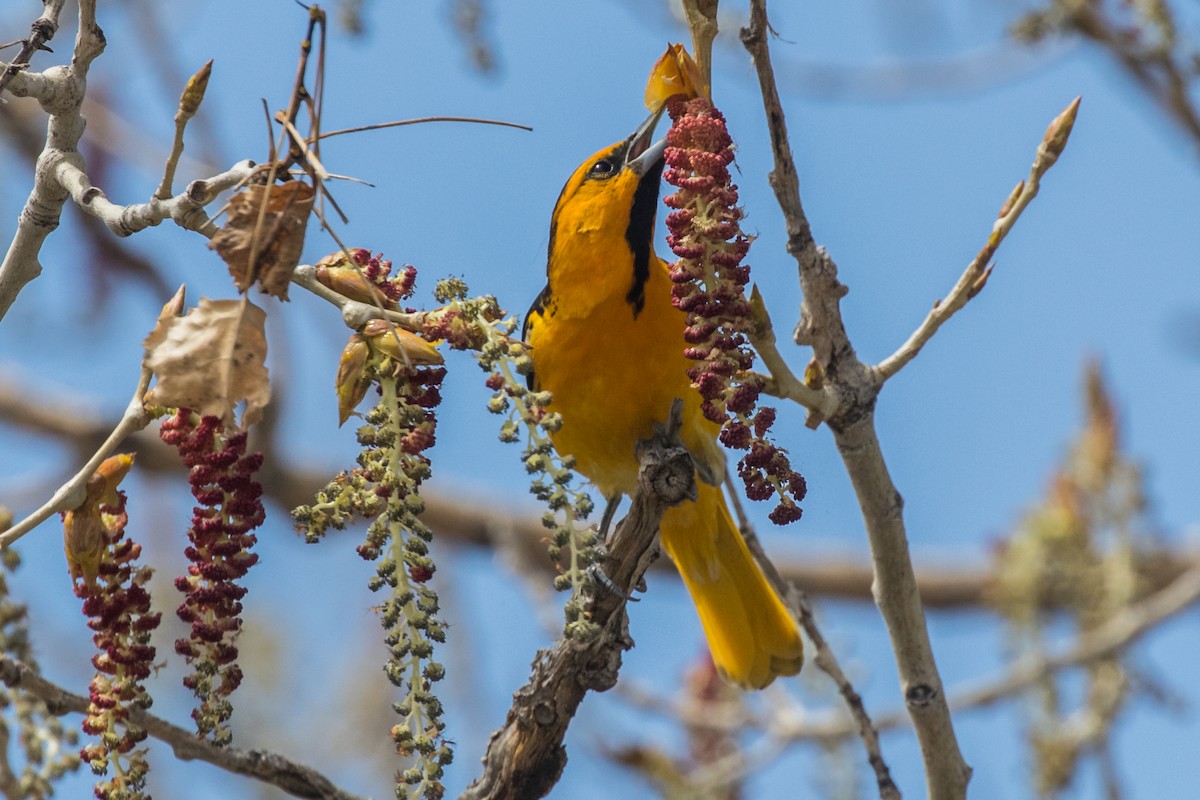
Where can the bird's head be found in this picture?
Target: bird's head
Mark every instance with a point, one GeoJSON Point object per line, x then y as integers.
{"type": "Point", "coordinates": [615, 191]}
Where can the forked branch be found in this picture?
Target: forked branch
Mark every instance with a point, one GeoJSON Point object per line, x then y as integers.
{"type": "Point", "coordinates": [855, 388]}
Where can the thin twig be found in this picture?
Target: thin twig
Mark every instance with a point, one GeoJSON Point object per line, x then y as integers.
{"type": "Point", "coordinates": [1161, 61]}
{"type": "Point", "coordinates": [193, 94]}
{"type": "Point", "coordinates": [975, 277]}
{"type": "Point", "coordinates": [292, 777]}
{"type": "Point", "coordinates": [71, 494]}
{"type": "Point", "coordinates": [42, 31]}
{"type": "Point", "coordinates": [419, 121]}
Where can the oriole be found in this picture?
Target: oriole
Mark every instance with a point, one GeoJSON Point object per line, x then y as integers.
{"type": "Point", "coordinates": [608, 344]}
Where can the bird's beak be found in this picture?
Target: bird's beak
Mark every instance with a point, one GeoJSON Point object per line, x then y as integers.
{"type": "Point", "coordinates": [641, 154]}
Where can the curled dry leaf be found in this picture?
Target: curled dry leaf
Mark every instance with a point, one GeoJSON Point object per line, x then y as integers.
{"type": "Point", "coordinates": [265, 252]}
{"type": "Point", "coordinates": [674, 73]}
{"type": "Point", "coordinates": [400, 345]}
{"type": "Point", "coordinates": [211, 360]}
{"type": "Point", "coordinates": [352, 381]}
{"type": "Point", "coordinates": [349, 281]}
{"type": "Point", "coordinates": [84, 532]}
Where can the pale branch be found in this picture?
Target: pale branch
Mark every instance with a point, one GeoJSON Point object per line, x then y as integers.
{"type": "Point", "coordinates": [1113, 635]}
{"type": "Point", "coordinates": [189, 103]}
{"type": "Point", "coordinates": [41, 31]}
{"type": "Point", "coordinates": [185, 209]}
{"type": "Point", "coordinates": [897, 596]}
{"type": "Point", "coordinates": [292, 777]}
{"type": "Point", "coordinates": [525, 757]}
{"type": "Point", "coordinates": [60, 172]}
{"type": "Point", "coordinates": [71, 494]}
{"type": "Point", "coordinates": [781, 381]}
{"type": "Point", "coordinates": [25, 131]}
{"type": "Point", "coordinates": [975, 277]}
{"type": "Point", "coordinates": [60, 91]}
{"type": "Point", "coordinates": [856, 387]}
{"type": "Point", "coordinates": [820, 325]}
{"type": "Point", "coordinates": [824, 658]}
{"type": "Point", "coordinates": [354, 312]}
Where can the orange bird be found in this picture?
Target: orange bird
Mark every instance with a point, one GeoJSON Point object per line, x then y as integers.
{"type": "Point", "coordinates": [608, 344]}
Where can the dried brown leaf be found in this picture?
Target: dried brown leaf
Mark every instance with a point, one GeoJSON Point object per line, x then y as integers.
{"type": "Point", "coordinates": [400, 345]}
{"type": "Point", "coordinates": [212, 359]}
{"type": "Point", "coordinates": [352, 381]}
{"type": "Point", "coordinates": [84, 532]}
{"type": "Point", "coordinates": [265, 252]}
{"type": "Point", "coordinates": [352, 283]}
{"type": "Point", "coordinates": [172, 309]}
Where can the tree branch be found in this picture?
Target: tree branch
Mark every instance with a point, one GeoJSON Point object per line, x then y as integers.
{"type": "Point", "coordinates": [975, 277]}
{"type": "Point", "coordinates": [954, 585]}
{"type": "Point", "coordinates": [525, 757]}
{"type": "Point", "coordinates": [1118, 633]}
{"type": "Point", "coordinates": [185, 209]}
{"type": "Point", "coordinates": [825, 659]}
{"type": "Point", "coordinates": [292, 777]}
{"type": "Point", "coordinates": [71, 494]}
{"type": "Point", "coordinates": [41, 31]}
{"type": "Point", "coordinates": [61, 98]}
{"type": "Point", "coordinates": [856, 387]}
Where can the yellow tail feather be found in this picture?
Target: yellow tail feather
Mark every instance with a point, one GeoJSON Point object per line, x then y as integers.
{"type": "Point", "coordinates": [752, 635]}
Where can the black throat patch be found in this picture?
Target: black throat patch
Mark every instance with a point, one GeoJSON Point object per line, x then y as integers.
{"type": "Point", "coordinates": [640, 233]}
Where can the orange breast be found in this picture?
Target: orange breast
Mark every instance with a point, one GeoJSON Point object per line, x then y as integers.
{"type": "Point", "coordinates": [613, 375]}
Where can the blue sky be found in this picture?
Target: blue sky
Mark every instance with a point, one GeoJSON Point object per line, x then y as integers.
{"type": "Point", "coordinates": [901, 184]}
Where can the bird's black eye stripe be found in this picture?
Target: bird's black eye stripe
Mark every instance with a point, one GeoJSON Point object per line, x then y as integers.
{"type": "Point", "coordinates": [604, 168]}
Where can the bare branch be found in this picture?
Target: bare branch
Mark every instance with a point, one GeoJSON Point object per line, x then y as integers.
{"type": "Point", "coordinates": [825, 659]}
{"type": "Point", "coordinates": [185, 209]}
{"type": "Point", "coordinates": [856, 387]}
{"type": "Point", "coordinates": [42, 31]}
{"type": "Point", "coordinates": [525, 757]}
{"type": "Point", "coordinates": [975, 277]}
{"type": "Point", "coordinates": [954, 585]}
{"type": "Point", "coordinates": [354, 312]}
{"type": "Point", "coordinates": [292, 777]}
{"type": "Point", "coordinates": [70, 494]}
{"type": "Point", "coordinates": [189, 103]}
{"type": "Point", "coordinates": [1115, 634]}
{"type": "Point", "coordinates": [61, 172]}
{"type": "Point", "coordinates": [420, 121]}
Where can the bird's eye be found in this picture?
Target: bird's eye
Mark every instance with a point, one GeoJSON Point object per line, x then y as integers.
{"type": "Point", "coordinates": [603, 168]}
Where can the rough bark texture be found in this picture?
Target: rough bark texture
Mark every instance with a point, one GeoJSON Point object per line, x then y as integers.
{"type": "Point", "coordinates": [526, 756]}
